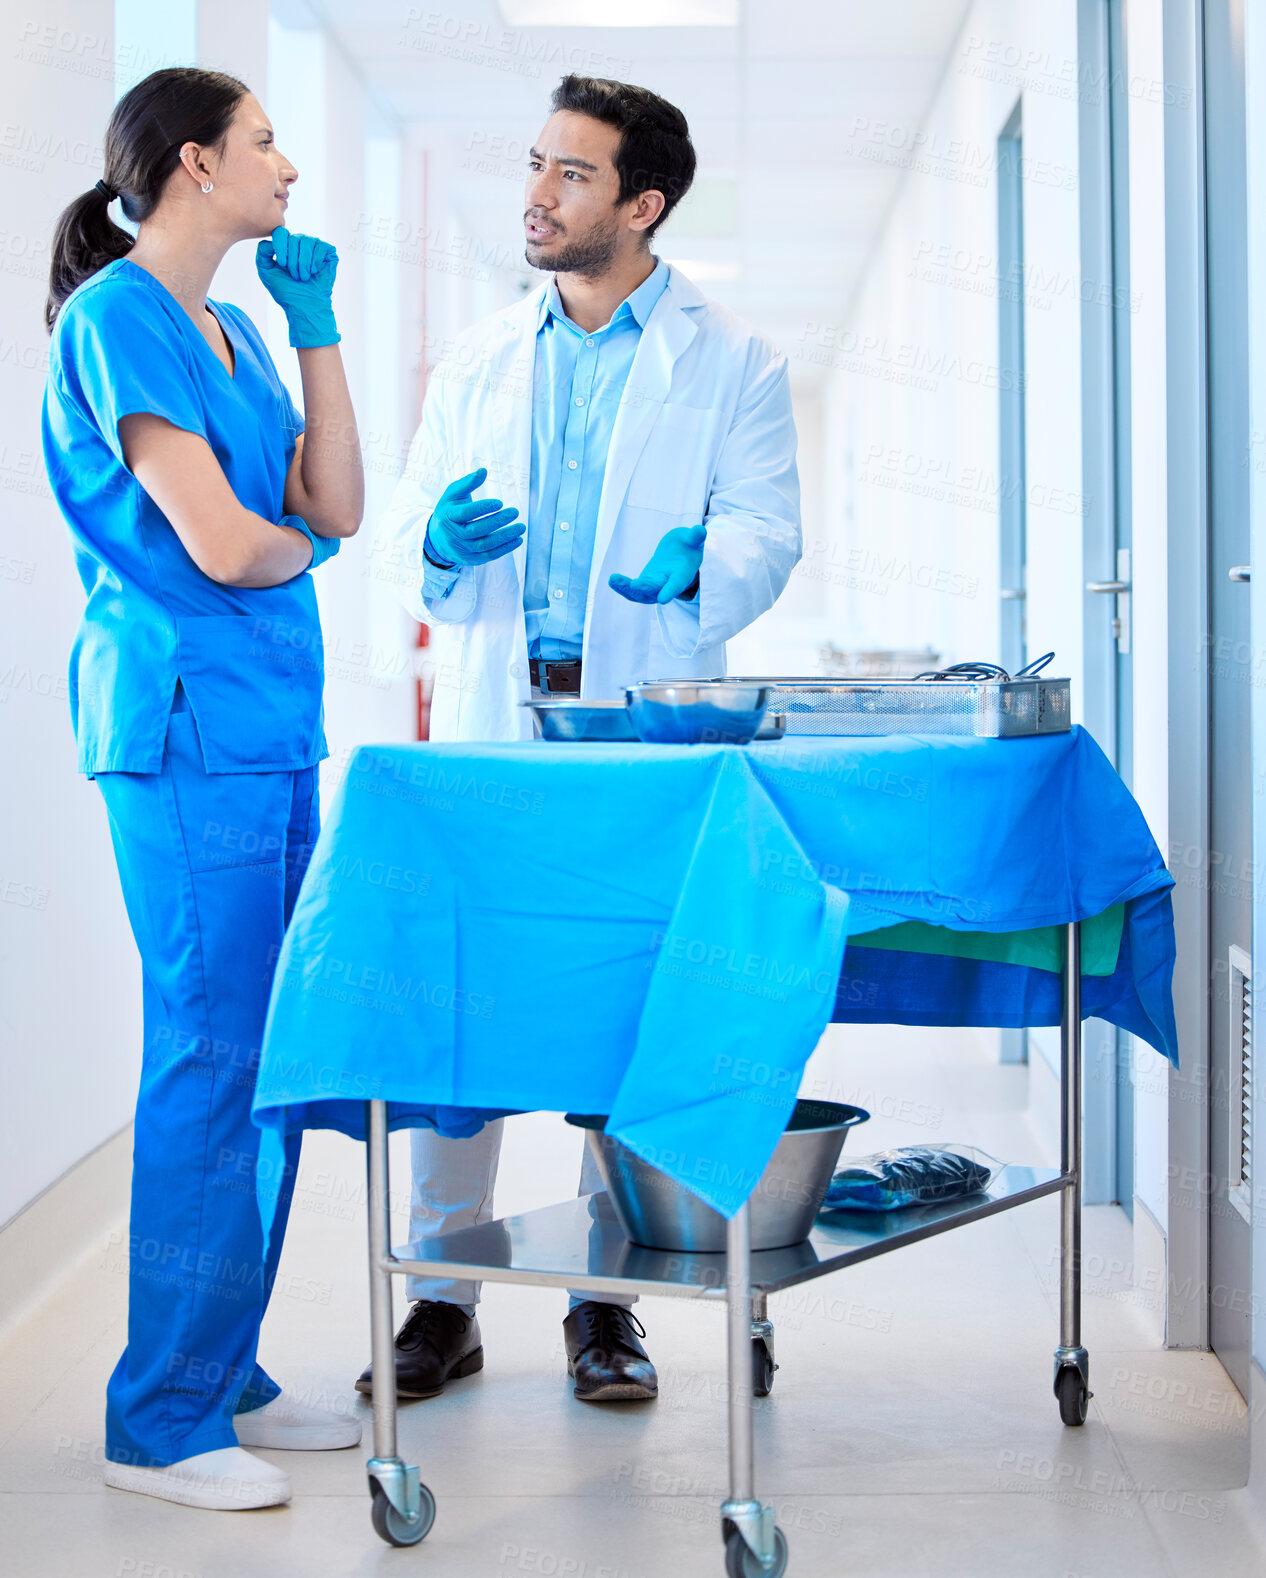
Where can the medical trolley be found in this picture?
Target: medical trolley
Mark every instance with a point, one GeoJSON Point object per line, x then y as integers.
{"type": "Point", "coordinates": [556, 1247]}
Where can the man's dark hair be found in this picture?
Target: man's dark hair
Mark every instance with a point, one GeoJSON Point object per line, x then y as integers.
{"type": "Point", "coordinates": [655, 151]}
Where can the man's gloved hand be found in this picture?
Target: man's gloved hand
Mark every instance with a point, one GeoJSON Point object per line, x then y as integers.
{"type": "Point", "coordinates": [671, 571]}
{"type": "Point", "coordinates": [298, 273]}
{"type": "Point", "coordinates": [465, 530]}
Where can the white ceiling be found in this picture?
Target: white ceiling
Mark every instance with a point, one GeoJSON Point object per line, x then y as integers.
{"type": "Point", "coordinates": [786, 207]}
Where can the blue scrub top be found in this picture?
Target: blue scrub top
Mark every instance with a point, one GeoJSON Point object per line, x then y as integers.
{"type": "Point", "coordinates": [250, 659]}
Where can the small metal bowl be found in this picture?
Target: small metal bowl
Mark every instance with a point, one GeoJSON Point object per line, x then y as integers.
{"type": "Point", "coordinates": [582, 720]}
{"type": "Point", "coordinates": [697, 711]}
{"type": "Point", "coordinates": [655, 1210]}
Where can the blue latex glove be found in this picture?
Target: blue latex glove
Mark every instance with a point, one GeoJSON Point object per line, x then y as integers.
{"type": "Point", "coordinates": [466, 530]}
{"type": "Point", "coordinates": [671, 571]}
{"type": "Point", "coordinates": [298, 273]}
{"type": "Point", "coordinates": [323, 548]}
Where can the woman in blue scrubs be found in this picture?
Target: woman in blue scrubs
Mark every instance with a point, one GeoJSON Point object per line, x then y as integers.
{"type": "Point", "coordinates": [197, 510]}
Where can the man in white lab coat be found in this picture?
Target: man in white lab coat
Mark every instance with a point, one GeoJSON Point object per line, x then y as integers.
{"type": "Point", "coordinates": [641, 438]}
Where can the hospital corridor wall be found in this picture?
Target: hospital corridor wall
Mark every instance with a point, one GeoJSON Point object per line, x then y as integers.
{"type": "Point", "coordinates": [914, 414]}
{"type": "Point", "coordinates": [70, 1014]}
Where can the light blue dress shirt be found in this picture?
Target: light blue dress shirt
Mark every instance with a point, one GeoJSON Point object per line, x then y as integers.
{"type": "Point", "coordinates": [578, 381]}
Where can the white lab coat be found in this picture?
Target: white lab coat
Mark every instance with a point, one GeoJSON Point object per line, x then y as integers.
{"type": "Point", "coordinates": [704, 433]}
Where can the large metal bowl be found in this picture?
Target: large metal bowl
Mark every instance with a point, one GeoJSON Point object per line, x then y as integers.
{"type": "Point", "coordinates": [582, 720]}
{"type": "Point", "coordinates": [658, 1212]}
{"type": "Point", "coordinates": [697, 711]}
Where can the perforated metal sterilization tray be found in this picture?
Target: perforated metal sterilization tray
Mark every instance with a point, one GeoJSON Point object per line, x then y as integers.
{"type": "Point", "coordinates": [989, 709]}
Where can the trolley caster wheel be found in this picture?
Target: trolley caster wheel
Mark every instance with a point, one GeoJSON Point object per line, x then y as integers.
{"type": "Point", "coordinates": [763, 1368]}
{"type": "Point", "coordinates": [1073, 1396]}
{"type": "Point", "coordinates": [396, 1529]}
{"type": "Point", "coordinates": [741, 1561]}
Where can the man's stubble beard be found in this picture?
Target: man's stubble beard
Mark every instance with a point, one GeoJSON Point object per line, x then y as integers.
{"type": "Point", "coordinates": [590, 257]}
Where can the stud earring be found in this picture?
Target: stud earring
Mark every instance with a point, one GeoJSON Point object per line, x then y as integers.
{"type": "Point", "coordinates": [207, 186]}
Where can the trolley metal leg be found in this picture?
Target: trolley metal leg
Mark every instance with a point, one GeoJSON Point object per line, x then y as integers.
{"type": "Point", "coordinates": [403, 1508]}
{"type": "Point", "coordinates": [763, 1363]}
{"type": "Point", "coordinates": [1072, 1362]}
{"type": "Point", "coordinates": [753, 1545]}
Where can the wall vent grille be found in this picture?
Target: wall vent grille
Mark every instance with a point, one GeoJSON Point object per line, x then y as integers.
{"type": "Point", "coordinates": [1240, 1094]}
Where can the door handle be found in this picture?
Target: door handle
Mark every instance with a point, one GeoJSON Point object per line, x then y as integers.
{"type": "Point", "coordinates": [1240, 572]}
{"type": "Point", "coordinates": [1120, 589]}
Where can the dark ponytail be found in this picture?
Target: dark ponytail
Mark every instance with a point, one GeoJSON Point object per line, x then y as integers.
{"type": "Point", "coordinates": [149, 126]}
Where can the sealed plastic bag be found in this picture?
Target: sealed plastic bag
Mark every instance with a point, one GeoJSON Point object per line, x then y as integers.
{"type": "Point", "coordinates": [911, 1175]}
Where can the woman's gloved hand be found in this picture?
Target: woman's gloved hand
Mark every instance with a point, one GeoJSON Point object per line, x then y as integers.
{"type": "Point", "coordinates": [466, 530]}
{"type": "Point", "coordinates": [671, 571]}
{"type": "Point", "coordinates": [323, 548]}
{"type": "Point", "coordinates": [298, 273]}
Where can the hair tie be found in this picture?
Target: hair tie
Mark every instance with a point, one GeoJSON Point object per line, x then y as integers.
{"type": "Point", "coordinates": [108, 192]}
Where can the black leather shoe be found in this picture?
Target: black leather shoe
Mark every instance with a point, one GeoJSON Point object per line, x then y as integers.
{"type": "Point", "coordinates": [604, 1356]}
{"type": "Point", "coordinates": [438, 1343]}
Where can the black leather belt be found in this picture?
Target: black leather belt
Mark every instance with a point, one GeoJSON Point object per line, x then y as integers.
{"type": "Point", "coordinates": [560, 678]}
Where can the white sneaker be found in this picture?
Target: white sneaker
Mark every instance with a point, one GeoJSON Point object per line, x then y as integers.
{"type": "Point", "coordinates": [227, 1480]}
{"type": "Point", "coordinates": [289, 1426]}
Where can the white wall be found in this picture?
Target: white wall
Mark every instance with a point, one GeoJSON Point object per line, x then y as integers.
{"type": "Point", "coordinates": [787, 638]}
{"type": "Point", "coordinates": [905, 550]}
{"type": "Point", "coordinates": [915, 403]}
{"type": "Point", "coordinates": [69, 982]}
{"type": "Point", "coordinates": [1255, 70]}
{"type": "Point", "coordinates": [916, 450]}
{"type": "Point", "coordinates": [1150, 611]}
{"type": "Point", "coordinates": [328, 125]}
{"type": "Point", "coordinates": [70, 989]}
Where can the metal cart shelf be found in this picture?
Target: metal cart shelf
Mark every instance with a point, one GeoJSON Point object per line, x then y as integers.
{"type": "Point", "coordinates": [578, 1244]}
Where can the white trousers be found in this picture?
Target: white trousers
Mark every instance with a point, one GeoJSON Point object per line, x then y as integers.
{"type": "Point", "coordinates": [453, 1182]}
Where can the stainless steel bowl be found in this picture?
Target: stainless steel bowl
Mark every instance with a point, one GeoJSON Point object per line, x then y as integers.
{"type": "Point", "coordinates": [582, 720]}
{"type": "Point", "coordinates": [697, 711]}
{"type": "Point", "coordinates": [658, 1212]}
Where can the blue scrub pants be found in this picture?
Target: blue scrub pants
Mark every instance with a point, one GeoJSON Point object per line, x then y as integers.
{"type": "Point", "coordinates": [210, 866]}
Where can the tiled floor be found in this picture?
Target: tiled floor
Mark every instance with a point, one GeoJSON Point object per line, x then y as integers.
{"type": "Point", "coordinates": [911, 1431]}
